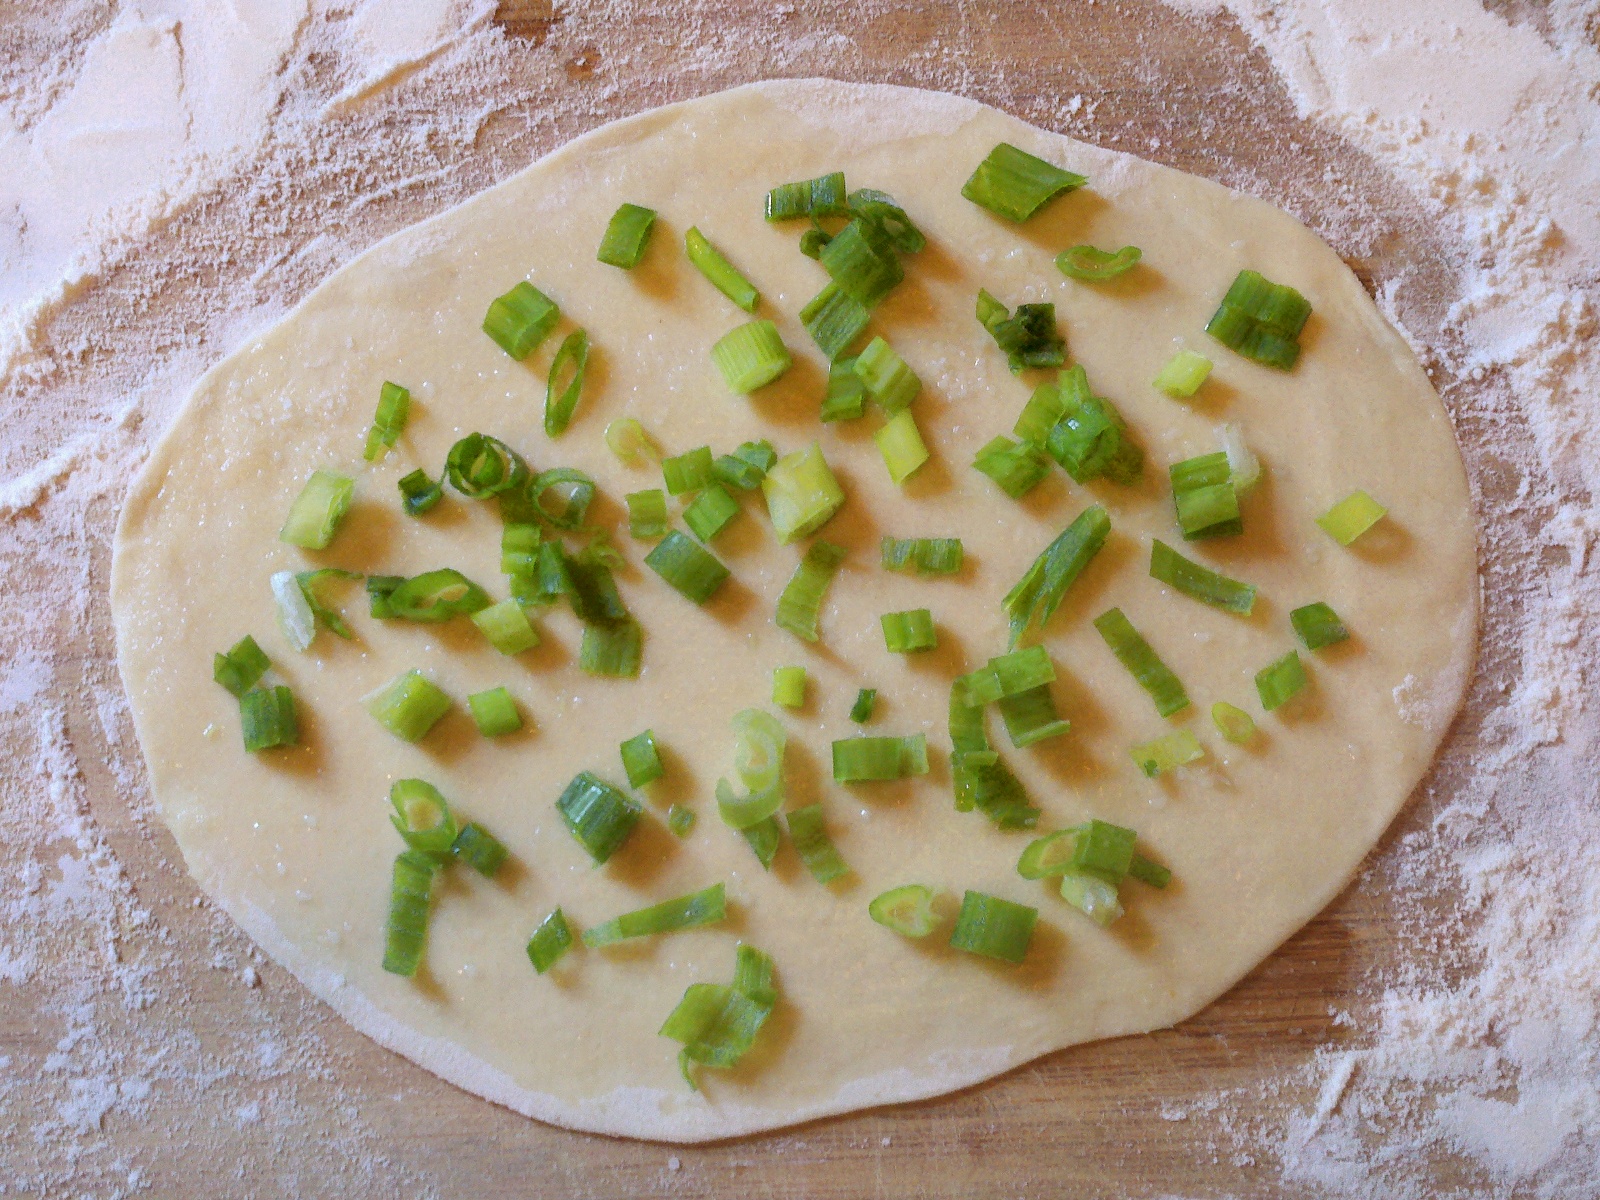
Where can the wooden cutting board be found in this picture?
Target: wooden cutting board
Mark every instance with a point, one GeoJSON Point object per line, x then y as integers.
{"type": "Point", "coordinates": [1190, 1111]}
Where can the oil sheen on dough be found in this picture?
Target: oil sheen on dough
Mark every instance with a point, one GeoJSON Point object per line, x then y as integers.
{"type": "Point", "coordinates": [297, 846]}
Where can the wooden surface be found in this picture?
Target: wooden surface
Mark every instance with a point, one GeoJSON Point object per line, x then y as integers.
{"type": "Point", "coordinates": [1191, 1111]}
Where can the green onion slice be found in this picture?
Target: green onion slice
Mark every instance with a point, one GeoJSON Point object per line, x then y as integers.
{"type": "Point", "coordinates": [801, 493]}
{"type": "Point", "coordinates": [565, 383]}
{"type": "Point", "coordinates": [1183, 374]}
{"type": "Point", "coordinates": [1170, 750]}
{"type": "Point", "coordinates": [519, 548]}
{"type": "Point", "coordinates": [705, 907]}
{"type": "Point", "coordinates": [846, 397]}
{"type": "Point", "coordinates": [1201, 583]}
{"type": "Point", "coordinates": [908, 910]}
{"type": "Point", "coordinates": [800, 603]}
{"type": "Point", "coordinates": [1261, 320]}
{"type": "Point", "coordinates": [408, 705]}
{"type": "Point", "coordinates": [812, 843]}
{"type": "Point", "coordinates": [680, 820]}
{"type": "Point", "coordinates": [479, 466]}
{"type": "Point", "coordinates": [1039, 592]}
{"type": "Point", "coordinates": [709, 513]}
{"type": "Point", "coordinates": [689, 471]}
{"type": "Point", "coordinates": [394, 406]}
{"type": "Point", "coordinates": [880, 210]}
{"type": "Point", "coordinates": [747, 466]}
{"type": "Point", "coordinates": [751, 356]}
{"type": "Point", "coordinates": [1233, 723]}
{"type": "Point", "coordinates": [724, 276]}
{"type": "Point", "coordinates": [1029, 337]}
{"type": "Point", "coordinates": [520, 320]}
{"type": "Point", "coordinates": [902, 447]}
{"type": "Point", "coordinates": [599, 816]}
{"type": "Point", "coordinates": [993, 927]}
{"type": "Point", "coordinates": [1040, 414]}
{"type": "Point", "coordinates": [1203, 494]}
{"type": "Point", "coordinates": [822, 197]}
{"type": "Point", "coordinates": [627, 439]}
{"type": "Point", "coordinates": [789, 687]}
{"type": "Point", "coordinates": [1089, 265]}
{"type": "Point", "coordinates": [641, 761]}
{"type": "Point", "coordinates": [908, 632]}
{"type": "Point", "coordinates": [1318, 626]}
{"type": "Point", "coordinates": [479, 849]}
{"type": "Point", "coordinates": [759, 742]}
{"type": "Point", "coordinates": [627, 235]}
{"type": "Point", "coordinates": [300, 611]}
{"type": "Point", "coordinates": [877, 759]}
{"type": "Point", "coordinates": [410, 898]}
{"type": "Point", "coordinates": [550, 941]}
{"type": "Point", "coordinates": [266, 716]}
{"type": "Point", "coordinates": [834, 319]}
{"type": "Point", "coordinates": [418, 492]}
{"type": "Point", "coordinates": [1143, 663]}
{"type": "Point", "coordinates": [241, 667]}
{"type": "Point", "coordinates": [1279, 681]}
{"type": "Point", "coordinates": [716, 1024]}
{"type": "Point", "coordinates": [494, 712]}
{"type": "Point", "coordinates": [647, 513]}
{"type": "Point", "coordinates": [1049, 855]}
{"type": "Point", "coordinates": [694, 573]}
{"type": "Point", "coordinates": [379, 589]}
{"type": "Point", "coordinates": [611, 649]}
{"type": "Point", "coordinates": [1351, 517]}
{"type": "Point", "coordinates": [1094, 897]}
{"type": "Point", "coordinates": [507, 627]}
{"type": "Point", "coordinates": [861, 260]}
{"type": "Point", "coordinates": [317, 511]}
{"type": "Point", "coordinates": [861, 710]}
{"type": "Point", "coordinates": [885, 375]}
{"type": "Point", "coordinates": [1014, 184]}
{"type": "Point", "coordinates": [1031, 716]}
{"type": "Point", "coordinates": [1016, 467]}
{"type": "Point", "coordinates": [930, 556]}
{"type": "Point", "coordinates": [764, 838]}
{"type": "Point", "coordinates": [436, 596]}
{"type": "Point", "coordinates": [1243, 466]}
{"type": "Point", "coordinates": [1152, 874]}
{"type": "Point", "coordinates": [1091, 439]}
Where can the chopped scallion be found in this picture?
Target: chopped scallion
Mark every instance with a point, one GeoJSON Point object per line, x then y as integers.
{"type": "Point", "coordinates": [693, 572]}
{"type": "Point", "coordinates": [801, 493]}
{"type": "Point", "coordinates": [241, 667]}
{"type": "Point", "coordinates": [846, 398]}
{"type": "Point", "coordinates": [861, 710]}
{"type": "Point", "coordinates": [1281, 680]}
{"type": "Point", "coordinates": [565, 383]}
{"type": "Point", "coordinates": [1016, 467]}
{"type": "Point", "coordinates": [612, 649]}
{"type": "Point", "coordinates": [812, 843]}
{"type": "Point", "coordinates": [641, 761]}
{"type": "Point", "coordinates": [751, 356]}
{"type": "Point", "coordinates": [1318, 626]}
{"type": "Point", "coordinates": [494, 712]}
{"type": "Point", "coordinates": [908, 910]}
{"type": "Point", "coordinates": [479, 466]}
{"type": "Point", "coordinates": [689, 471]}
{"type": "Point", "coordinates": [627, 439]}
{"type": "Point", "coordinates": [266, 715]}
{"type": "Point", "coordinates": [1031, 716]}
{"type": "Point", "coordinates": [1183, 374]}
{"type": "Point", "coordinates": [1233, 723]}
{"type": "Point", "coordinates": [1039, 592]}
{"type": "Point", "coordinates": [647, 513]}
{"type": "Point", "coordinates": [705, 907]}
{"type": "Point", "coordinates": [1243, 466]}
{"type": "Point", "coordinates": [758, 749]}
{"type": "Point", "coordinates": [680, 820]}
{"type": "Point", "coordinates": [1029, 337]}
{"type": "Point", "coordinates": [1201, 583]}
{"type": "Point", "coordinates": [1204, 496]}
{"type": "Point", "coordinates": [410, 898]}
{"type": "Point", "coordinates": [1143, 663]}
{"type": "Point", "coordinates": [724, 276]}
{"type": "Point", "coordinates": [1351, 517]}
{"type": "Point", "coordinates": [599, 816]}
{"type": "Point", "coordinates": [821, 197]}
{"type": "Point", "coordinates": [900, 443]}
{"type": "Point", "coordinates": [1091, 439]}
{"type": "Point", "coordinates": [747, 466]}
{"type": "Point", "coordinates": [1090, 265]}
{"type": "Point", "coordinates": [479, 849]}
{"type": "Point", "coordinates": [1094, 897]}
{"type": "Point", "coordinates": [908, 632]}
{"type": "Point", "coordinates": [436, 596]}
{"type": "Point", "coordinates": [422, 817]}
{"type": "Point", "coordinates": [1015, 184]}
{"type": "Point", "coordinates": [789, 687]}
{"type": "Point", "coordinates": [394, 406]}
{"type": "Point", "coordinates": [930, 556]}
{"type": "Point", "coordinates": [379, 589]}
{"type": "Point", "coordinates": [627, 235]}
{"type": "Point", "coordinates": [875, 759]}
{"type": "Point", "coordinates": [885, 375]}
{"type": "Point", "coordinates": [520, 320]}
{"type": "Point", "coordinates": [993, 927]}
{"type": "Point", "coordinates": [408, 705]}
{"type": "Point", "coordinates": [317, 511]}
{"type": "Point", "coordinates": [709, 513]}
{"type": "Point", "coordinates": [1152, 874]}
{"type": "Point", "coordinates": [717, 1025]}
{"type": "Point", "coordinates": [1170, 750]}
{"type": "Point", "coordinates": [834, 319]}
{"type": "Point", "coordinates": [862, 261]}
{"type": "Point", "coordinates": [1261, 320]}
{"type": "Point", "coordinates": [800, 603]}
{"type": "Point", "coordinates": [763, 838]}
{"type": "Point", "coordinates": [507, 627]}
{"type": "Point", "coordinates": [880, 210]}
{"type": "Point", "coordinates": [549, 942]}
{"type": "Point", "coordinates": [418, 492]}
{"type": "Point", "coordinates": [1040, 414]}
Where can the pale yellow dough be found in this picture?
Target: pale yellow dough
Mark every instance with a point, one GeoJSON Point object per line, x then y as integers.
{"type": "Point", "coordinates": [297, 847]}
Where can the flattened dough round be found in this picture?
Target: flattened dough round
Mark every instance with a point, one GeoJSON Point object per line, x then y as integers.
{"type": "Point", "coordinates": [296, 844]}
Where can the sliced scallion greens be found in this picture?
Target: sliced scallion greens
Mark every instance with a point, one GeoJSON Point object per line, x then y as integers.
{"type": "Point", "coordinates": [1351, 517]}
{"type": "Point", "coordinates": [876, 759]}
{"type": "Point", "coordinates": [408, 705]}
{"type": "Point", "coordinates": [908, 910]}
{"type": "Point", "coordinates": [1015, 184]}
{"type": "Point", "coordinates": [647, 513]}
{"type": "Point", "coordinates": [1281, 680]}
{"type": "Point", "coordinates": [379, 589]}
{"type": "Point", "coordinates": [693, 572]}
{"type": "Point", "coordinates": [627, 234]}
{"type": "Point", "coordinates": [861, 260]}
{"type": "Point", "coordinates": [1143, 663]}
{"type": "Point", "coordinates": [410, 898]}
{"type": "Point", "coordinates": [1090, 265]}
{"type": "Point", "coordinates": [930, 556]}
{"type": "Point", "coordinates": [724, 276]}
{"type": "Point", "coordinates": [1170, 750]}
{"type": "Point", "coordinates": [418, 492]}
{"type": "Point", "coordinates": [1030, 716]}
{"type": "Point", "coordinates": [846, 398]}
{"type": "Point", "coordinates": [718, 1024]}
{"type": "Point", "coordinates": [816, 849]}
{"type": "Point", "coordinates": [1318, 626]}
{"type": "Point", "coordinates": [519, 548]}
{"type": "Point", "coordinates": [241, 667]}
{"type": "Point", "coordinates": [507, 627]}
{"type": "Point", "coordinates": [1183, 374]}
{"type": "Point", "coordinates": [801, 493]}
{"type": "Point", "coordinates": [1028, 338]}
{"type": "Point", "coordinates": [599, 816]}
{"type": "Point", "coordinates": [861, 710]}
{"type": "Point", "coordinates": [479, 466]}
{"type": "Point", "coordinates": [520, 320]}
{"type": "Point", "coordinates": [1204, 496]}
{"type": "Point", "coordinates": [479, 849]}
{"type": "Point", "coordinates": [821, 197]}
{"type": "Point", "coordinates": [1091, 439]}
{"type": "Point", "coordinates": [1233, 723]}
{"type": "Point", "coordinates": [751, 356]}
{"type": "Point", "coordinates": [680, 820]}
{"type": "Point", "coordinates": [266, 716]}
{"type": "Point", "coordinates": [551, 940]}
{"type": "Point", "coordinates": [747, 466]}
{"type": "Point", "coordinates": [436, 596]}
{"type": "Point", "coordinates": [1016, 467]}
{"type": "Point", "coordinates": [981, 780]}
{"type": "Point", "coordinates": [494, 712]}
{"type": "Point", "coordinates": [1201, 583]}
{"type": "Point", "coordinates": [789, 687]}
{"type": "Point", "coordinates": [318, 510]}
{"type": "Point", "coordinates": [993, 927]}
{"type": "Point", "coordinates": [394, 406]}
{"type": "Point", "coordinates": [689, 471]}
{"type": "Point", "coordinates": [908, 632]}
{"type": "Point", "coordinates": [1243, 466]}
{"type": "Point", "coordinates": [641, 761]}
{"type": "Point", "coordinates": [627, 439]}
{"type": "Point", "coordinates": [1094, 897]}
{"type": "Point", "coordinates": [764, 838]}
{"type": "Point", "coordinates": [759, 742]}
{"type": "Point", "coordinates": [834, 319]}
{"type": "Point", "coordinates": [1040, 414]}
{"type": "Point", "coordinates": [902, 447]}
{"type": "Point", "coordinates": [1039, 592]}
{"type": "Point", "coordinates": [709, 513]}
{"type": "Point", "coordinates": [565, 383]}
{"type": "Point", "coordinates": [880, 210]}
{"type": "Point", "coordinates": [611, 649]}
{"type": "Point", "coordinates": [800, 603]}
{"type": "Point", "coordinates": [885, 375]}
{"type": "Point", "coordinates": [705, 907]}
{"type": "Point", "coordinates": [1261, 320]}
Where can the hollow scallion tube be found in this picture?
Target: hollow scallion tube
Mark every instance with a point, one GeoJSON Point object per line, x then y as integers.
{"type": "Point", "coordinates": [887, 378]}
{"type": "Point", "coordinates": [599, 816]}
{"type": "Point", "coordinates": [1040, 590]}
{"type": "Point", "coordinates": [801, 493]}
{"type": "Point", "coordinates": [1030, 716]}
{"type": "Point", "coordinates": [846, 397]}
{"type": "Point", "coordinates": [834, 319]}
{"type": "Point", "coordinates": [518, 321]}
{"type": "Point", "coordinates": [709, 513]}
{"type": "Point", "coordinates": [394, 406]}
{"type": "Point", "coordinates": [1028, 337]}
{"type": "Point", "coordinates": [680, 820]}
{"type": "Point", "coordinates": [751, 356]}
{"type": "Point", "coordinates": [908, 632]}
{"type": "Point", "coordinates": [789, 687]}
{"type": "Point", "coordinates": [641, 761]}
{"type": "Point", "coordinates": [1281, 680]}
{"type": "Point", "coordinates": [994, 927]}
{"type": "Point", "coordinates": [902, 447]}
{"type": "Point", "coordinates": [705, 907]}
{"type": "Point", "coordinates": [1162, 754]}
{"type": "Point", "coordinates": [1090, 265]}
{"type": "Point", "coordinates": [820, 197]}
{"type": "Point", "coordinates": [418, 492]}
{"type": "Point", "coordinates": [1351, 517]}
{"type": "Point", "coordinates": [479, 849]}
{"type": "Point", "coordinates": [494, 711]}
{"type": "Point", "coordinates": [908, 910]}
{"type": "Point", "coordinates": [241, 667]}
{"type": "Point", "coordinates": [747, 466]}
{"type": "Point", "coordinates": [627, 234]}
{"type": "Point", "coordinates": [647, 513]}
{"type": "Point", "coordinates": [408, 705]}
{"type": "Point", "coordinates": [693, 572]}
{"type": "Point", "coordinates": [266, 717]}
{"type": "Point", "coordinates": [689, 471]}
{"type": "Point", "coordinates": [1318, 626]}
{"type": "Point", "coordinates": [565, 383]}
{"type": "Point", "coordinates": [507, 627]}
{"type": "Point", "coordinates": [1183, 374]}
{"type": "Point", "coordinates": [930, 556]}
{"type": "Point", "coordinates": [611, 649]}
{"type": "Point", "coordinates": [1233, 723]}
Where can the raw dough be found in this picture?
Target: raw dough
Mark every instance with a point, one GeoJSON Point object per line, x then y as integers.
{"type": "Point", "coordinates": [296, 845]}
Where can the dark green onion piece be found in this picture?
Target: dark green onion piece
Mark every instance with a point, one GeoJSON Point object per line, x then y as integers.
{"type": "Point", "coordinates": [1091, 439]}
{"type": "Point", "coordinates": [1031, 716]}
{"type": "Point", "coordinates": [909, 631]}
{"type": "Point", "coordinates": [1351, 517]}
{"type": "Point", "coordinates": [1040, 414]}
{"type": "Point", "coordinates": [1204, 495]}
{"type": "Point", "coordinates": [612, 650]}
{"type": "Point", "coordinates": [705, 907]}
{"type": "Point", "coordinates": [751, 356]}
{"type": "Point", "coordinates": [717, 1025]}
{"type": "Point", "coordinates": [519, 548]}
{"type": "Point", "coordinates": [801, 493]}
{"type": "Point", "coordinates": [1089, 265]}
{"type": "Point", "coordinates": [436, 596]}
{"type": "Point", "coordinates": [1150, 873]}
{"type": "Point", "coordinates": [875, 759]}
{"type": "Point", "coordinates": [822, 197]}
{"type": "Point", "coordinates": [1183, 374]}
{"type": "Point", "coordinates": [1016, 467]}
{"type": "Point", "coordinates": [549, 942]}
{"type": "Point", "coordinates": [418, 492]}
{"type": "Point", "coordinates": [267, 718]}
{"type": "Point", "coordinates": [680, 820]}
{"type": "Point", "coordinates": [724, 276]}
{"type": "Point", "coordinates": [507, 627]}
{"type": "Point", "coordinates": [1281, 680]}
{"type": "Point", "coordinates": [410, 898]}
{"type": "Point", "coordinates": [880, 210]}
{"type": "Point", "coordinates": [1014, 184]}
{"type": "Point", "coordinates": [641, 762]}
{"type": "Point", "coordinates": [930, 556]}
{"type": "Point", "coordinates": [689, 471]}
{"type": "Point", "coordinates": [1261, 320]}
{"type": "Point", "coordinates": [789, 687]}
{"type": "Point", "coordinates": [408, 705]}
{"type": "Point", "coordinates": [1022, 670]}
{"type": "Point", "coordinates": [315, 515]}
{"type": "Point", "coordinates": [494, 712]}
{"type": "Point", "coordinates": [814, 846]}
{"type": "Point", "coordinates": [902, 447]}
{"type": "Point", "coordinates": [862, 261]}
{"type": "Point", "coordinates": [763, 838]}
{"type": "Point", "coordinates": [1203, 584]}
{"type": "Point", "coordinates": [1318, 626]}
{"type": "Point", "coordinates": [834, 319]}
{"type": "Point", "coordinates": [647, 513]}
{"type": "Point", "coordinates": [984, 782]}
{"type": "Point", "coordinates": [520, 320]}
{"type": "Point", "coordinates": [887, 378]}
{"type": "Point", "coordinates": [627, 235]}
{"type": "Point", "coordinates": [993, 927]}
{"type": "Point", "coordinates": [241, 667]}
{"type": "Point", "coordinates": [846, 398]}
{"type": "Point", "coordinates": [599, 816]}
{"type": "Point", "coordinates": [479, 849]}
{"type": "Point", "coordinates": [1143, 663]}
{"type": "Point", "coordinates": [479, 466]}
{"type": "Point", "coordinates": [1233, 723]}
{"type": "Point", "coordinates": [710, 512]}
{"type": "Point", "coordinates": [1028, 337]}
{"type": "Point", "coordinates": [593, 595]}
{"type": "Point", "coordinates": [693, 572]}
{"type": "Point", "coordinates": [565, 383]}
{"type": "Point", "coordinates": [379, 589]}
{"type": "Point", "coordinates": [861, 710]}
{"type": "Point", "coordinates": [800, 603]}
{"type": "Point", "coordinates": [747, 466]}
{"type": "Point", "coordinates": [907, 910]}
{"type": "Point", "coordinates": [1040, 590]}
{"type": "Point", "coordinates": [394, 406]}
{"type": "Point", "coordinates": [1170, 750]}
{"type": "Point", "coordinates": [550, 580]}
{"type": "Point", "coordinates": [1103, 849]}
